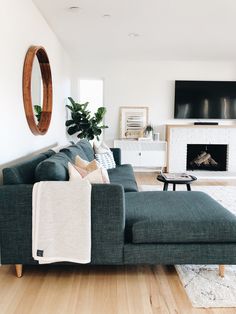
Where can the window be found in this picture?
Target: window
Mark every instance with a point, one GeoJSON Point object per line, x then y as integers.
{"type": "Point", "coordinates": [91, 91]}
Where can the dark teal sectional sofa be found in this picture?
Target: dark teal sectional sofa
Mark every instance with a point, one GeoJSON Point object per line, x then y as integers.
{"type": "Point", "coordinates": [128, 227]}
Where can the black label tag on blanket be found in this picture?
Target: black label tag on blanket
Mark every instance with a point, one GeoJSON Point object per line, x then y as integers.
{"type": "Point", "coordinates": [40, 253]}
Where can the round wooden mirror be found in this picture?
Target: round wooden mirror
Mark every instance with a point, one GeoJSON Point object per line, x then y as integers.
{"type": "Point", "coordinates": [37, 85]}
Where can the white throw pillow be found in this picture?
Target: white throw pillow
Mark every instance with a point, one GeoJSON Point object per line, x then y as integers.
{"type": "Point", "coordinates": [106, 160]}
{"type": "Point", "coordinates": [101, 149]}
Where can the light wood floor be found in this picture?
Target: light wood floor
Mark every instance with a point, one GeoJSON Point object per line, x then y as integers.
{"type": "Point", "coordinates": [150, 178]}
{"type": "Point", "coordinates": [98, 290]}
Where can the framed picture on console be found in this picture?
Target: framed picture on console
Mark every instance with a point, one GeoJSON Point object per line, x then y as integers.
{"type": "Point", "coordinates": [133, 120]}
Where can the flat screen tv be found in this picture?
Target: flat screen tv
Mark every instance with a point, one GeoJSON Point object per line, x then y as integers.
{"type": "Point", "coordinates": [205, 100]}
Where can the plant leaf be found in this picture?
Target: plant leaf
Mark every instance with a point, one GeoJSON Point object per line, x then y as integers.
{"type": "Point", "coordinates": [72, 130]}
{"type": "Point", "coordinates": [69, 122]}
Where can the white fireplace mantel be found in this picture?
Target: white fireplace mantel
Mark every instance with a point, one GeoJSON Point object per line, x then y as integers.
{"type": "Point", "coordinates": [178, 136]}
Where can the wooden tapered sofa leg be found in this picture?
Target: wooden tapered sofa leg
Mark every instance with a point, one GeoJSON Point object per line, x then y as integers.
{"type": "Point", "coordinates": [222, 270]}
{"type": "Point", "coordinates": [19, 270]}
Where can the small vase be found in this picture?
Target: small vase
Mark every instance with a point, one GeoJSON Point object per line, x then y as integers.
{"type": "Point", "coordinates": [149, 135]}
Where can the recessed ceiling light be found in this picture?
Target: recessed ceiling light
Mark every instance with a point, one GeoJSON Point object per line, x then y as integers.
{"type": "Point", "coordinates": [134, 35]}
{"type": "Point", "coordinates": [74, 8]}
{"type": "Point", "coordinates": [106, 15]}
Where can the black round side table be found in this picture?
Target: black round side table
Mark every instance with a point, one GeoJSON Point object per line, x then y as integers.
{"type": "Point", "coordinates": [174, 182]}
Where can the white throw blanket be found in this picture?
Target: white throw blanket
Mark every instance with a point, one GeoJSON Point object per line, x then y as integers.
{"type": "Point", "coordinates": [61, 222]}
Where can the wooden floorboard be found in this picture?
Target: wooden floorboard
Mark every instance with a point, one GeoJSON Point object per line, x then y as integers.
{"type": "Point", "coordinates": [96, 290]}
{"type": "Point", "coordinates": [50, 289]}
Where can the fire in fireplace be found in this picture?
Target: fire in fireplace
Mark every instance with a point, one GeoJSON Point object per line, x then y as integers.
{"type": "Point", "coordinates": [212, 157]}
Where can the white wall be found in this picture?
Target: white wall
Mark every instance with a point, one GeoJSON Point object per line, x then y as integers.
{"type": "Point", "coordinates": [146, 83]}
{"type": "Point", "coordinates": [22, 25]}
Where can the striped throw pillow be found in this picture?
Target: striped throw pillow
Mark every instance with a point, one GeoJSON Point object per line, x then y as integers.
{"type": "Point", "coordinates": [106, 160]}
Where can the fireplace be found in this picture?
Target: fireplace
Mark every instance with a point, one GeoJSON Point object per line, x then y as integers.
{"type": "Point", "coordinates": [211, 157]}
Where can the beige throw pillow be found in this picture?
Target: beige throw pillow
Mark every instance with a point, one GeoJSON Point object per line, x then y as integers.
{"type": "Point", "coordinates": [89, 167]}
{"type": "Point", "coordinates": [96, 176]}
{"type": "Point", "coordinates": [99, 175]}
{"type": "Point", "coordinates": [84, 164]}
{"type": "Point", "coordinates": [73, 173]}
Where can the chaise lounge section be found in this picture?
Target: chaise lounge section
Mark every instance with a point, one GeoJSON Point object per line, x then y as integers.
{"type": "Point", "coordinates": [128, 227]}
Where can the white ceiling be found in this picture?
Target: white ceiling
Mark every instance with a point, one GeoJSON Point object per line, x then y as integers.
{"type": "Point", "coordinates": [169, 29]}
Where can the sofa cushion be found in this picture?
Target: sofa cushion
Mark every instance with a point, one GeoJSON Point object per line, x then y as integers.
{"type": "Point", "coordinates": [177, 217]}
{"type": "Point", "coordinates": [54, 168]}
{"type": "Point", "coordinates": [24, 172]}
{"type": "Point", "coordinates": [73, 150]}
{"type": "Point", "coordinates": [123, 175]}
{"type": "Point", "coordinates": [87, 148]}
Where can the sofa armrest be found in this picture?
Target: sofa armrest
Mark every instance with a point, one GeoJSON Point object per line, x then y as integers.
{"type": "Point", "coordinates": [117, 155]}
{"type": "Point", "coordinates": [108, 223]}
{"type": "Point", "coordinates": [16, 224]}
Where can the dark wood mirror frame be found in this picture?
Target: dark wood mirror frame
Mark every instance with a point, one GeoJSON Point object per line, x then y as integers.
{"type": "Point", "coordinates": [43, 125]}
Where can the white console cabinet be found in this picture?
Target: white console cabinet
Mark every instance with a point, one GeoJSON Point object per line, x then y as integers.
{"type": "Point", "coordinates": [142, 155]}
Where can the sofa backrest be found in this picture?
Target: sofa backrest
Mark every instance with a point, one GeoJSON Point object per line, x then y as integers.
{"type": "Point", "coordinates": [87, 148]}
{"type": "Point", "coordinates": [73, 150]}
{"type": "Point", "coordinates": [42, 168]}
{"type": "Point", "coordinates": [55, 168]}
{"type": "Point", "coordinates": [24, 172]}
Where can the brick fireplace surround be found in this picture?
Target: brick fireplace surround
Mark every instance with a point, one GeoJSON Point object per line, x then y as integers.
{"type": "Point", "coordinates": [179, 136]}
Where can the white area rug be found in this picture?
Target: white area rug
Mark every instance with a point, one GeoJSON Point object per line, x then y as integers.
{"type": "Point", "coordinates": [204, 287]}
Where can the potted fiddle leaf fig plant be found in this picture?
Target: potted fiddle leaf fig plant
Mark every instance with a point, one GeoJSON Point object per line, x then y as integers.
{"type": "Point", "coordinates": [83, 123]}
